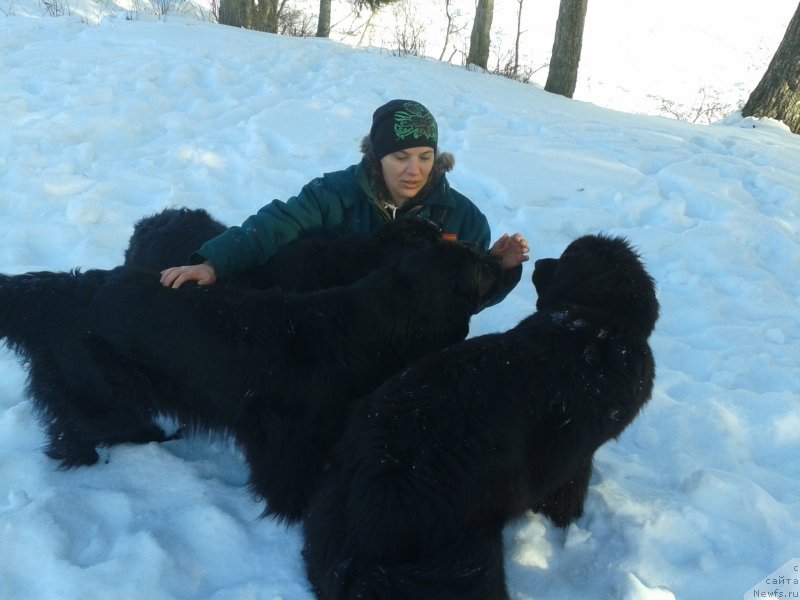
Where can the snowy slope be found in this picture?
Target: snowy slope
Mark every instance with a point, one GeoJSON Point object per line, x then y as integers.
{"type": "Point", "coordinates": [101, 124]}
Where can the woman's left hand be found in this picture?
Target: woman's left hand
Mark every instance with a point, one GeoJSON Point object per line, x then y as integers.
{"type": "Point", "coordinates": [512, 249]}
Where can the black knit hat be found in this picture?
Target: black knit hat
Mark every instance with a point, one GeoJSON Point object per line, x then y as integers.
{"type": "Point", "coordinates": [402, 124]}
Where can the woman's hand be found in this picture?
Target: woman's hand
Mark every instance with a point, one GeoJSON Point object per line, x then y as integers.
{"type": "Point", "coordinates": [175, 277]}
{"type": "Point", "coordinates": [512, 249]}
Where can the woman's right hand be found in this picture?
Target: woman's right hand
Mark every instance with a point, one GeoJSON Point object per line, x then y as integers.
{"type": "Point", "coordinates": [175, 277]}
{"type": "Point", "coordinates": [511, 249]}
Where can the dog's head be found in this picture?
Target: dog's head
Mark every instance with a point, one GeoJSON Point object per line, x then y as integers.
{"type": "Point", "coordinates": [449, 277]}
{"type": "Point", "coordinates": [408, 232]}
{"type": "Point", "coordinates": [602, 273]}
{"type": "Point", "coordinates": [396, 238]}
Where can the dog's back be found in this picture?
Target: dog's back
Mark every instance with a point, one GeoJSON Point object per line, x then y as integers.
{"type": "Point", "coordinates": [318, 260]}
{"type": "Point", "coordinates": [107, 351]}
{"type": "Point", "coordinates": [45, 319]}
{"type": "Point", "coordinates": [37, 306]}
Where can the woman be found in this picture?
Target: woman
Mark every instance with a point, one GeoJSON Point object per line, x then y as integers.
{"type": "Point", "coordinates": [401, 173]}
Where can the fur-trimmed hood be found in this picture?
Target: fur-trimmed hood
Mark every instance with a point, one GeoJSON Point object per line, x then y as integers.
{"type": "Point", "coordinates": [445, 161]}
{"type": "Point", "coordinates": [443, 164]}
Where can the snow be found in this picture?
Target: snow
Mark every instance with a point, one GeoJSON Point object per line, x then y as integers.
{"type": "Point", "coordinates": [104, 122]}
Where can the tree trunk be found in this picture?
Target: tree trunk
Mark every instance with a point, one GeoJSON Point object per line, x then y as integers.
{"type": "Point", "coordinates": [481, 28]}
{"type": "Point", "coordinates": [324, 22]}
{"type": "Point", "coordinates": [265, 15]}
{"type": "Point", "coordinates": [449, 29]}
{"type": "Point", "coordinates": [563, 74]}
{"type": "Point", "coordinates": [246, 13]}
{"type": "Point", "coordinates": [777, 95]}
{"type": "Point", "coordinates": [234, 12]}
{"type": "Point", "coordinates": [516, 40]}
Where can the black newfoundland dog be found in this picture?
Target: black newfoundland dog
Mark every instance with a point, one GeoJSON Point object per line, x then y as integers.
{"type": "Point", "coordinates": [107, 351]}
{"type": "Point", "coordinates": [441, 456]}
{"type": "Point", "coordinates": [168, 238]}
{"type": "Point", "coordinates": [316, 261]}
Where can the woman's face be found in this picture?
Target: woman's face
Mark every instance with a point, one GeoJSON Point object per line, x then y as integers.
{"type": "Point", "coordinates": [406, 172]}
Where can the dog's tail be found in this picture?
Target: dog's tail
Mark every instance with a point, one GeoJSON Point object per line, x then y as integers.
{"type": "Point", "coordinates": [467, 569]}
{"type": "Point", "coordinates": [34, 305]}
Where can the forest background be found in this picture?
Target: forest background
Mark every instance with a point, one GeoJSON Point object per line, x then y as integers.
{"type": "Point", "coordinates": [638, 57]}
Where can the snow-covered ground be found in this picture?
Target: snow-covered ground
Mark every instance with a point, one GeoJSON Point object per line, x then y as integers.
{"type": "Point", "coordinates": [103, 123]}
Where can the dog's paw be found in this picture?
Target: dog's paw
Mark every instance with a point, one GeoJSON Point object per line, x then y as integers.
{"type": "Point", "coordinates": [71, 452]}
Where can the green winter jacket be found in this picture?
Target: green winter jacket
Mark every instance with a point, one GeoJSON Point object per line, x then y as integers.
{"type": "Point", "coordinates": [343, 201]}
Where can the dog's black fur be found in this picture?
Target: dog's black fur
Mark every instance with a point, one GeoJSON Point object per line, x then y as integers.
{"type": "Point", "coordinates": [169, 238]}
{"type": "Point", "coordinates": [109, 350]}
{"type": "Point", "coordinates": [318, 260]}
{"type": "Point", "coordinates": [440, 457]}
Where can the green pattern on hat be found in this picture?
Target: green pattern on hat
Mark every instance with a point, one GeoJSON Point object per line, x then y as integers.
{"type": "Point", "coordinates": [415, 121]}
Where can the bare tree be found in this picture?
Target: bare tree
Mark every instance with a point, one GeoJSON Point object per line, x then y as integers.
{"type": "Point", "coordinates": [777, 95]}
{"type": "Point", "coordinates": [261, 16]}
{"type": "Point", "coordinates": [373, 5]}
{"type": "Point", "coordinates": [324, 22]}
{"type": "Point", "coordinates": [295, 22]}
{"type": "Point", "coordinates": [274, 13]}
{"type": "Point", "coordinates": [563, 73]}
{"type": "Point", "coordinates": [409, 33]}
{"type": "Point", "coordinates": [455, 25]}
{"type": "Point", "coordinates": [707, 107]}
{"type": "Point", "coordinates": [519, 35]}
{"type": "Point", "coordinates": [447, 8]}
{"type": "Point", "coordinates": [479, 41]}
{"type": "Point", "coordinates": [234, 12]}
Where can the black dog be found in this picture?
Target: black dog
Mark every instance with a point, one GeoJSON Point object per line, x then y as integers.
{"type": "Point", "coordinates": [168, 238]}
{"type": "Point", "coordinates": [441, 456]}
{"type": "Point", "coordinates": [318, 260]}
{"type": "Point", "coordinates": [108, 350]}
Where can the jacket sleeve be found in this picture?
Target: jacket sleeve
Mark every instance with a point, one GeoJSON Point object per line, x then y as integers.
{"type": "Point", "coordinates": [510, 277]}
{"type": "Point", "coordinates": [257, 239]}
{"type": "Point", "coordinates": [474, 227]}
{"type": "Point", "coordinates": [508, 282]}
